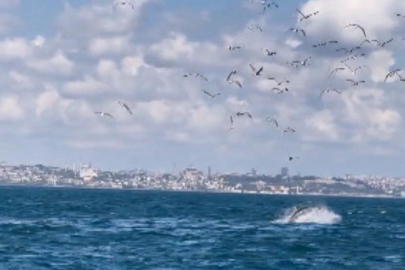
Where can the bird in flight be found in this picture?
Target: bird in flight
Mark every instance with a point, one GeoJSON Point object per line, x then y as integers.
{"type": "Point", "coordinates": [232, 48]}
{"type": "Point", "coordinates": [288, 129]}
{"type": "Point", "coordinates": [293, 157]}
{"type": "Point", "coordinates": [244, 113]}
{"type": "Point", "coordinates": [303, 16]}
{"type": "Point", "coordinates": [302, 63]}
{"type": "Point", "coordinates": [268, 6]}
{"type": "Point", "coordinates": [354, 70]}
{"type": "Point", "coordinates": [268, 119]}
{"type": "Point", "coordinates": [123, 4]}
{"type": "Point", "coordinates": [210, 95]}
{"type": "Point", "coordinates": [104, 114]}
{"type": "Point", "coordinates": [382, 44]}
{"type": "Point", "coordinates": [279, 91]}
{"type": "Point", "coordinates": [278, 82]}
{"type": "Point", "coordinates": [256, 72]}
{"type": "Point", "coordinates": [392, 73]}
{"type": "Point", "coordinates": [122, 104]}
{"type": "Point", "coordinates": [325, 43]}
{"type": "Point", "coordinates": [269, 53]}
{"type": "Point", "coordinates": [335, 70]}
{"type": "Point", "coordinates": [297, 30]}
{"type": "Point", "coordinates": [195, 75]}
{"type": "Point", "coordinates": [327, 91]}
{"type": "Point", "coordinates": [355, 82]}
{"type": "Point", "coordinates": [231, 123]}
{"type": "Point", "coordinates": [357, 26]}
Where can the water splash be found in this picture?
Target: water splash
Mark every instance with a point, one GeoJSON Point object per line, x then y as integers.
{"type": "Point", "coordinates": [315, 214]}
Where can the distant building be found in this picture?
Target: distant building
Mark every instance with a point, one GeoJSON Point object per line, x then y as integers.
{"type": "Point", "coordinates": [254, 172]}
{"type": "Point", "coordinates": [87, 173]}
{"type": "Point", "coordinates": [284, 171]}
{"type": "Point", "coordinates": [209, 173]}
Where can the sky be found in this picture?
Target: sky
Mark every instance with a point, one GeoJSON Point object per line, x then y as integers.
{"type": "Point", "coordinates": [62, 61]}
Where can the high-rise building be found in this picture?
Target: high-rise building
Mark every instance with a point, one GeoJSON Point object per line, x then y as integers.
{"type": "Point", "coordinates": [284, 171]}
{"type": "Point", "coordinates": [254, 172]}
{"type": "Point", "coordinates": [209, 173]}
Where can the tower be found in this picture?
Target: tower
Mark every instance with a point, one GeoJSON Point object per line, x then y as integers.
{"type": "Point", "coordinates": [209, 173]}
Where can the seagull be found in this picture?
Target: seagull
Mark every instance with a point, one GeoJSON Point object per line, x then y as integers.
{"type": "Point", "coordinates": [122, 104]}
{"type": "Point", "coordinates": [288, 129]}
{"type": "Point", "coordinates": [382, 44]}
{"type": "Point", "coordinates": [296, 30]}
{"type": "Point", "coordinates": [266, 6]}
{"type": "Point", "coordinates": [355, 82]}
{"type": "Point", "coordinates": [210, 95]}
{"type": "Point", "coordinates": [303, 16]}
{"type": "Point", "coordinates": [233, 72]}
{"type": "Point", "coordinates": [123, 4]}
{"type": "Point", "coordinates": [280, 90]}
{"type": "Point", "coordinates": [196, 75]}
{"type": "Point", "coordinates": [269, 53]}
{"type": "Point", "coordinates": [354, 70]}
{"type": "Point", "coordinates": [255, 71]}
{"type": "Point", "coordinates": [325, 43]}
{"type": "Point", "coordinates": [335, 70]}
{"type": "Point", "coordinates": [268, 119]}
{"type": "Point", "coordinates": [327, 91]}
{"type": "Point", "coordinates": [244, 113]}
{"type": "Point", "coordinates": [392, 73]}
{"type": "Point", "coordinates": [357, 26]}
{"type": "Point", "coordinates": [257, 28]}
{"type": "Point", "coordinates": [232, 48]}
{"type": "Point", "coordinates": [399, 15]}
{"type": "Point", "coordinates": [104, 114]}
{"type": "Point", "coordinates": [231, 123]}
{"type": "Point", "coordinates": [353, 57]}
{"type": "Point", "coordinates": [278, 82]}
{"type": "Point", "coordinates": [302, 63]}
{"type": "Point", "coordinates": [293, 157]}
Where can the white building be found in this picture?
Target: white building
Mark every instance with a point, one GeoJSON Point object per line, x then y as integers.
{"type": "Point", "coordinates": [87, 173]}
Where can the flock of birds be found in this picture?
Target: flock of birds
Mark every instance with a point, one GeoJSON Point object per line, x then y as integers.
{"type": "Point", "coordinates": [350, 54]}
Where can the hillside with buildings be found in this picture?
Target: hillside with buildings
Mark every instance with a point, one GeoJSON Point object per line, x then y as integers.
{"type": "Point", "coordinates": [192, 179]}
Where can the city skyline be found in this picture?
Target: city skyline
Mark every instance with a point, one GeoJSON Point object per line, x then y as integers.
{"type": "Point", "coordinates": [64, 60]}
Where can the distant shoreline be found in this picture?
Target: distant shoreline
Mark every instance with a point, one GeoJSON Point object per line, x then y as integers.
{"type": "Point", "coordinates": [201, 191]}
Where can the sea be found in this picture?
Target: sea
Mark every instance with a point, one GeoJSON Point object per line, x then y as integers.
{"type": "Point", "coordinates": [62, 228]}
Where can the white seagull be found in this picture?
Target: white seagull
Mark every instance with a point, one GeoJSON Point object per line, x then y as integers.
{"type": "Point", "coordinates": [210, 95]}
{"type": "Point", "coordinates": [268, 119]}
{"type": "Point", "coordinates": [123, 4]}
{"type": "Point", "coordinates": [303, 16]}
{"type": "Point", "coordinates": [297, 30]}
{"type": "Point", "coordinates": [328, 90]}
{"type": "Point", "coordinates": [357, 26]}
{"type": "Point", "coordinates": [104, 114]}
{"type": "Point", "coordinates": [122, 104]}
{"type": "Point", "coordinates": [256, 72]}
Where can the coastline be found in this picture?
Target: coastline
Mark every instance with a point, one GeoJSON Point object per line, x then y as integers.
{"type": "Point", "coordinates": [364, 196]}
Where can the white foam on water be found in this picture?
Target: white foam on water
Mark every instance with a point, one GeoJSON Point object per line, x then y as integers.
{"type": "Point", "coordinates": [315, 214]}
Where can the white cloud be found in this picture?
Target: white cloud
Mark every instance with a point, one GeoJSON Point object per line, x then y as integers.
{"type": "Point", "coordinates": [11, 109]}
{"type": "Point", "coordinates": [14, 48]}
{"type": "Point", "coordinates": [58, 64]}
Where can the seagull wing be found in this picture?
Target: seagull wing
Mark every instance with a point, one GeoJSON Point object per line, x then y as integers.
{"type": "Point", "coordinates": [299, 11]}
{"type": "Point", "coordinates": [303, 32]}
{"type": "Point", "coordinates": [127, 108]}
{"type": "Point", "coordinates": [253, 68]}
{"type": "Point", "coordinates": [207, 93]}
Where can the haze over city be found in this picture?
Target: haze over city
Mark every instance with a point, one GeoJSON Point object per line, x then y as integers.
{"type": "Point", "coordinates": [62, 61]}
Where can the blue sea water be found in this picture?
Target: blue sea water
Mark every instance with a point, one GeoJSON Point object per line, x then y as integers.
{"type": "Point", "coordinates": [45, 228]}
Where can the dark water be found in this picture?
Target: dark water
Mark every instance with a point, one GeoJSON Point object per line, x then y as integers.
{"type": "Point", "coordinates": [105, 229]}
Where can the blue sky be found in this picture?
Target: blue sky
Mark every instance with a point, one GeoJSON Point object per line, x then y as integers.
{"type": "Point", "coordinates": [63, 60]}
